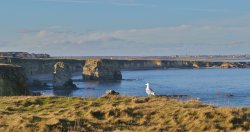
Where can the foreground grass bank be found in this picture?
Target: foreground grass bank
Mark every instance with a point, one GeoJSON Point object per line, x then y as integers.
{"type": "Point", "coordinates": [117, 113]}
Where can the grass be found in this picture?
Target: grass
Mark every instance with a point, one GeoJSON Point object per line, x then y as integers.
{"type": "Point", "coordinates": [117, 114]}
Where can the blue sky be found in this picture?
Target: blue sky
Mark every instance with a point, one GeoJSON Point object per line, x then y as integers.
{"type": "Point", "coordinates": [125, 27]}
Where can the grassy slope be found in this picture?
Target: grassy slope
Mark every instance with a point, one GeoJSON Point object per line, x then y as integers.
{"type": "Point", "coordinates": [117, 113]}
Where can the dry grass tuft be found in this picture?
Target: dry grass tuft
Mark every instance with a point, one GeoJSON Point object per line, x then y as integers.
{"type": "Point", "coordinates": [117, 114]}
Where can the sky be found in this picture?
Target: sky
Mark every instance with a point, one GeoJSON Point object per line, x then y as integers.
{"type": "Point", "coordinates": [125, 27]}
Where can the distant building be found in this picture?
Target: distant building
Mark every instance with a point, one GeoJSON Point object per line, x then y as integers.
{"type": "Point", "coordinates": [23, 55]}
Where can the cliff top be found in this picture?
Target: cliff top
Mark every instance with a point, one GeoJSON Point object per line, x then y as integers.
{"type": "Point", "coordinates": [116, 113]}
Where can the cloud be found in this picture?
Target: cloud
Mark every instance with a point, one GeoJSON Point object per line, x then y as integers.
{"type": "Point", "coordinates": [210, 10]}
{"type": "Point", "coordinates": [68, 37]}
{"type": "Point", "coordinates": [139, 3]}
{"type": "Point", "coordinates": [72, 1]}
{"type": "Point", "coordinates": [50, 37]}
{"type": "Point", "coordinates": [180, 39]}
{"type": "Point", "coordinates": [132, 3]}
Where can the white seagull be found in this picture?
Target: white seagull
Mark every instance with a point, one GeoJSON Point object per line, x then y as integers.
{"type": "Point", "coordinates": [149, 91]}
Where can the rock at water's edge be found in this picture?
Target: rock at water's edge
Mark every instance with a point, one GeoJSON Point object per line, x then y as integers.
{"type": "Point", "coordinates": [111, 92]}
{"type": "Point", "coordinates": [69, 84]}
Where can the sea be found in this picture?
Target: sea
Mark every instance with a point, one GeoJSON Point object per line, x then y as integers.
{"type": "Point", "coordinates": [221, 87]}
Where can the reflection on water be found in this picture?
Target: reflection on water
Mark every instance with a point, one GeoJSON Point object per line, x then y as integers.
{"type": "Point", "coordinates": [229, 87]}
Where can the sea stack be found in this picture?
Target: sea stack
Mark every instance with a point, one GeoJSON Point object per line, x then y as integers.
{"type": "Point", "coordinates": [101, 69]}
{"type": "Point", "coordinates": [62, 76]}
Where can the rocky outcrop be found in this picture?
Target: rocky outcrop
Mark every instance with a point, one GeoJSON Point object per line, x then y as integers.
{"type": "Point", "coordinates": [101, 69]}
{"type": "Point", "coordinates": [69, 84]}
{"type": "Point", "coordinates": [12, 80]}
{"type": "Point", "coordinates": [40, 70]}
{"type": "Point", "coordinates": [111, 93]}
{"type": "Point", "coordinates": [61, 75]}
{"type": "Point", "coordinates": [231, 65]}
{"type": "Point", "coordinates": [195, 65]}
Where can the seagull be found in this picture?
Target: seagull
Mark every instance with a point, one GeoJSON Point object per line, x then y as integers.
{"type": "Point", "coordinates": [149, 91]}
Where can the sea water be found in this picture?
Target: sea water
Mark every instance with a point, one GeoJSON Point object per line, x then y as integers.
{"type": "Point", "coordinates": [224, 87]}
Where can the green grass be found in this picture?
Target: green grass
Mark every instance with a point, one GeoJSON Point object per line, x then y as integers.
{"type": "Point", "coordinates": [117, 114]}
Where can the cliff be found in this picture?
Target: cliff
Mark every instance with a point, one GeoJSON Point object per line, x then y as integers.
{"type": "Point", "coordinates": [165, 64]}
{"type": "Point", "coordinates": [42, 69]}
{"type": "Point", "coordinates": [101, 69]}
{"type": "Point", "coordinates": [12, 80]}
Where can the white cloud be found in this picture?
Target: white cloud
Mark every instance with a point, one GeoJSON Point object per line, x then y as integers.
{"type": "Point", "coordinates": [50, 37]}
{"type": "Point", "coordinates": [112, 2]}
{"type": "Point", "coordinates": [185, 39]}
{"type": "Point", "coordinates": [208, 10]}
{"type": "Point", "coordinates": [221, 37]}
{"type": "Point", "coordinates": [53, 37]}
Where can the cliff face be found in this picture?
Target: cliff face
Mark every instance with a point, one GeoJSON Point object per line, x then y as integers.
{"type": "Point", "coordinates": [42, 69]}
{"type": "Point", "coordinates": [164, 64]}
{"type": "Point", "coordinates": [103, 69]}
{"type": "Point", "coordinates": [12, 81]}
{"type": "Point", "coordinates": [97, 69]}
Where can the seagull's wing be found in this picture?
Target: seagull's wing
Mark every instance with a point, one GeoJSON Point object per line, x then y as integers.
{"type": "Point", "coordinates": [151, 90]}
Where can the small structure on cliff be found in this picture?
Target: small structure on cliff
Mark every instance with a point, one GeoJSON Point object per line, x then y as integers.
{"type": "Point", "coordinates": [12, 80]}
{"type": "Point", "coordinates": [62, 76]}
{"type": "Point", "coordinates": [101, 69]}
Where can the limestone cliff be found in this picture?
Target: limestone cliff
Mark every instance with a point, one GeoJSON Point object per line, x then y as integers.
{"type": "Point", "coordinates": [101, 69]}
{"type": "Point", "coordinates": [12, 80]}
{"type": "Point", "coordinates": [41, 69]}
{"type": "Point", "coordinates": [165, 64]}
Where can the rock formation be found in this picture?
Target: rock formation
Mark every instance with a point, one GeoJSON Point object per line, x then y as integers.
{"type": "Point", "coordinates": [41, 69]}
{"type": "Point", "coordinates": [195, 65]}
{"type": "Point", "coordinates": [12, 80]}
{"type": "Point", "coordinates": [101, 69]}
{"type": "Point", "coordinates": [69, 84]}
{"type": "Point", "coordinates": [61, 75]}
{"type": "Point", "coordinates": [111, 93]}
{"type": "Point", "coordinates": [231, 65]}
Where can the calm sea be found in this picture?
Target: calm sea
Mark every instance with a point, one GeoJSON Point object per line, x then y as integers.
{"type": "Point", "coordinates": [225, 87]}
